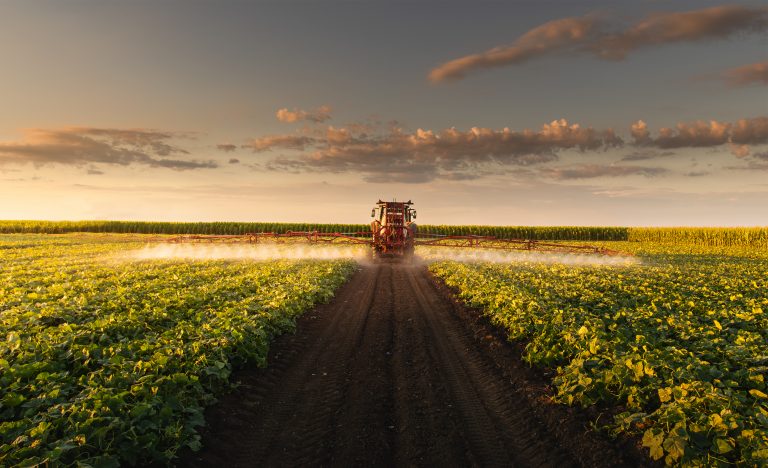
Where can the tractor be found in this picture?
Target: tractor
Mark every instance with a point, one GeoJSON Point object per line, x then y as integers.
{"type": "Point", "coordinates": [393, 229]}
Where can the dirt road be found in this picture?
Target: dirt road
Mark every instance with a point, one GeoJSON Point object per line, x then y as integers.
{"type": "Point", "coordinates": [393, 372]}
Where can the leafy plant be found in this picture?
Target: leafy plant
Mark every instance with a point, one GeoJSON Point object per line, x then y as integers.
{"type": "Point", "coordinates": [106, 362]}
{"type": "Point", "coordinates": [680, 341]}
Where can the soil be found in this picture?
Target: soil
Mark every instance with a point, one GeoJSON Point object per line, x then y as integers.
{"type": "Point", "coordinates": [395, 372]}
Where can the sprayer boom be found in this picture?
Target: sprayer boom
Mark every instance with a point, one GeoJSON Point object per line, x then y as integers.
{"type": "Point", "coordinates": [394, 233]}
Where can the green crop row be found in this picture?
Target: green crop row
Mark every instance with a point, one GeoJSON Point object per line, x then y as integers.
{"type": "Point", "coordinates": [580, 233]}
{"type": "Point", "coordinates": [235, 228]}
{"type": "Point", "coordinates": [749, 237]}
{"type": "Point", "coordinates": [107, 361]}
{"type": "Point", "coordinates": [680, 341]}
{"type": "Point", "coordinates": [712, 237]}
{"type": "Point", "coordinates": [148, 227]}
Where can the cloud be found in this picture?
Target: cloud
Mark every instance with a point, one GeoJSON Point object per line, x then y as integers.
{"type": "Point", "coordinates": [688, 135]}
{"type": "Point", "coordinates": [380, 153]}
{"type": "Point", "coordinates": [645, 155]}
{"type": "Point", "coordinates": [546, 39]}
{"type": "Point", "coordinates": [701, 134]}
{"type": "Point", "coordinates": [750, 131]}
{"type": "Point", "coordinates": [755, 162]}
{"type": "Point", "coordinates": [756, 73]}
{"type": "Point", "coordinates": [80, 146]}
{"type": "Point", "coordinates": [696, 25]}
{"type": "Point", "coordinates": [425, 155]}
{"type": "Point", "coordinates": [321, 114]}
{"type": "Point", "coordinates": [760, 165]}
{"type": "Point", "coordinates": [590, 171]}
{"type": "Point", "coordinates": [740, 151]}
{"type": "Point", "coordinates": [592, 34]}
{"type": "Point", "coordinates": [226, 147]}
{"type": "Point", "coordinates": [639, 131]}
{"type": "Point", "coordinates": [271, 142]}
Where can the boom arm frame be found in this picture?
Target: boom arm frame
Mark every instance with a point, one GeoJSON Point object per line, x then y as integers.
{"type": "Point", "coordinates": [366, 238]}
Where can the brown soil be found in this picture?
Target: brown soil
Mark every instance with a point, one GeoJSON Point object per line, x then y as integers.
{"type": "Point", "coordinates": [394, 372]}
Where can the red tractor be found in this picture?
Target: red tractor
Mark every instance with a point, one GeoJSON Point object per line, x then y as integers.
{"type": "Point", "coordinates": [393, 234]}
{"type": "Point", "coordinates": [393, 229]}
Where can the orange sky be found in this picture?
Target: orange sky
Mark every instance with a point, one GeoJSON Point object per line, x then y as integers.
{"type": "Point", "coordinates": [590, 113]}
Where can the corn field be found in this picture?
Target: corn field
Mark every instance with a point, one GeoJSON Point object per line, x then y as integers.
{"type": "Point", "coordinates": [746, 237]}
{"type": "Point", "coordinates": [712, 237]}
{"type": "Point", "coordinates": [147, 227]}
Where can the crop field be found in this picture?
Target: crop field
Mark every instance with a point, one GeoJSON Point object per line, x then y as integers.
{"type": "Point", "coordinates": [110, 350]}
{"type": "Point", "coordinates": [679, 343]}
{"type": "Point", "coordinates": [106, 361]}
{"type": "Point", "coordinates": [756, 237]}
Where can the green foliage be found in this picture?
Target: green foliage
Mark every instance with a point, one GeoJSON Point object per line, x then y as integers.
{"type": "Point", "coordinates": [233, 228]}
{"type": "Point", "coordinates": [679, 342]}
{"type": "Point", "coordinates": [711, 237]}
{"type": "Point", "coordinates": [747, 237]}
{"type": "Point", "coordinates": [148, 227]}
{"type": "Point", "coordinates": [589, 233]}
{"type": "Point", "coordinates": [106, 362]}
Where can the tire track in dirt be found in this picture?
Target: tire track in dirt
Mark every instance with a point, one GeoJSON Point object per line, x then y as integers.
{"type": "Point", "coordinates": [499, 431]}
{"type": "Point", "coordinates": [386, 374]}
{"type": "Point", "coordinates": [449, 357]}
{"type": "Point", "coordinates": [292, 415]}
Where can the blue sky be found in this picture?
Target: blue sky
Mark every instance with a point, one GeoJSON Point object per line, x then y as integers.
{"type": "Point", "coordinates": [116, 110]}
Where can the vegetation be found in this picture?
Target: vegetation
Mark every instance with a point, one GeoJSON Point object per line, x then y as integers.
{"type": "Point", "coordinates": [147, 227]}
{"type": "Point", "coordinates": [105, 361]}
{"type": "Point", "coordinates": [680, 341]}
{"type": "Point", "coordinates": [534, 232]}
{"type": "Point", "coordinates": [711, 237]}
{"type": "Point", "coordinates": [748, 237]}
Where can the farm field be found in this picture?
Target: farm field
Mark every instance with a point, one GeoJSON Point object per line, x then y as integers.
{"type": "Point", "coordinates": [109, 357]}
{"type": "Point", "coordinates": [756, 237]}
{"type": "Point", "coordinates": [357, 234]}
{"type": "Point", "coordinates": [393, 372]}
{"type": "Point", "coordinates": [678, 342]}
{"type": "Point", "coordinates": [106, 361]}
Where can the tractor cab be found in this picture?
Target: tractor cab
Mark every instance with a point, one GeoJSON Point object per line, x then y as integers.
{"type": "Point", "coordinates": [393, 212]}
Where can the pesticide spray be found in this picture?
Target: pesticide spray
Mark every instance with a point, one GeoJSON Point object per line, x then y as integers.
{"type": "Point", "coordinates": [296, 251]}
{"type": "Point", "coordinates": [259, 252]}
{"type": "Point", "coordinates": [431, 254]}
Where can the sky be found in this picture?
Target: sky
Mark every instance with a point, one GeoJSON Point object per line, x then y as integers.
{"type": "Point", "coordinates": [642, 113]}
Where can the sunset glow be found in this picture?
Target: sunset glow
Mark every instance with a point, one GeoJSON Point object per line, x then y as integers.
{"type": "Point", "coordinates": [587, 113]}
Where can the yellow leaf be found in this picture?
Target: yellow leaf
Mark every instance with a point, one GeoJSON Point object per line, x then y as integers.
{"type": "Point", "coordinates": [653, 440]}
{"type": "Point", "coordinates": [758, 394]}
{"type": "Point", "coordinates": [715, 420]}
{"type": "Point", "coordinates": [638, 370]}
{"type": "Point", "coordinates": [717, 324]}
